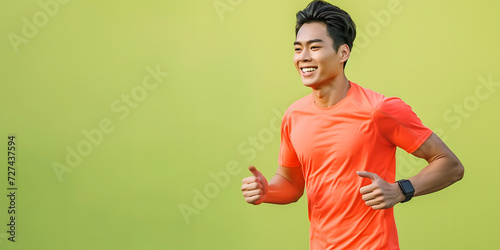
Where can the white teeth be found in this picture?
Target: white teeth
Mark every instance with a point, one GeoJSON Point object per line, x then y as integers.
{"type": "Point", "coordinates": [308, 69]}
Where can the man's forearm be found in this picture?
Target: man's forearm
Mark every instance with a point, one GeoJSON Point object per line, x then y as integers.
{"type": "Point", "coordinates": [440, 173]}
{"type": "Point", "coordinates": [282, 191]}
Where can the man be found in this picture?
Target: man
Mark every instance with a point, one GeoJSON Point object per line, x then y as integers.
{"type": "Point", "coordinates": [340, 141]}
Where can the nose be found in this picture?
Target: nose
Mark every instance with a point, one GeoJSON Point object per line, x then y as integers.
{"type": "Point", "coordinates": [305, 56]}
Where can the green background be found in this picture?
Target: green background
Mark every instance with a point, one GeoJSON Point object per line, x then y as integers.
{"type": "Point", "coordinates": [230, 74]}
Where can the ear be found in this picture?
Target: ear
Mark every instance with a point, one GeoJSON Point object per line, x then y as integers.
{"type": "Point", "coordinates": [344, 52]}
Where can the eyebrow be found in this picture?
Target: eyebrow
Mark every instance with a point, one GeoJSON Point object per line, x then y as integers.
{"type": "Point", "coordinates": [308, 42]}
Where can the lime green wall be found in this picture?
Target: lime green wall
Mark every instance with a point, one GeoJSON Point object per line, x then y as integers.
{"type": "Point", "coordinates": [128, 112]}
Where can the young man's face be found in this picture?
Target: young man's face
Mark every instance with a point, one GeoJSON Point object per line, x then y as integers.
{"type": "Point", "coordinates": [315, 58]}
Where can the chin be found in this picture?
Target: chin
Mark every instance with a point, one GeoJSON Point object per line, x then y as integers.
{"type": "Point", "coordinates": [309, 83]}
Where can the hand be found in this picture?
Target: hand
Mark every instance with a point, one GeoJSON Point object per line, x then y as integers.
{"type": "Point", "coordinates": [380, 194]}
{"type": "Point", "coordinates": [254, 188]}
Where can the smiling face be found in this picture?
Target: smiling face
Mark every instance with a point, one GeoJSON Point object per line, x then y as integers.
{"type": "Point", "coordinates": [315, 58]}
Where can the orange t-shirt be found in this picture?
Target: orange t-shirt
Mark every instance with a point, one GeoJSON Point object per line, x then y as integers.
{"type": "Point", "coordinates": [359, 133]}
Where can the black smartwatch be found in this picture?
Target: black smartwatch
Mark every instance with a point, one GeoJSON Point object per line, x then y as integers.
{"type": "Point", "coordinates": [407, 189]}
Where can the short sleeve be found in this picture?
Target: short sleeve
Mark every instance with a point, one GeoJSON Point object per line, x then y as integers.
{"type": "Point", "coordinates": [397, 122]}
{"type": "Point", "coordinates": [287, 156]}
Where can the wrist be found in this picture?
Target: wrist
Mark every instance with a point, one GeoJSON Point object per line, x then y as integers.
{"type": "Point", "coordinates": [406, 189]}
{"type": "Point", "coordinates": [400, 197]}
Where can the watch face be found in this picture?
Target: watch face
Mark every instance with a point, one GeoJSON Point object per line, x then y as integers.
{"type": "Point", "coordinates": [407, 186]}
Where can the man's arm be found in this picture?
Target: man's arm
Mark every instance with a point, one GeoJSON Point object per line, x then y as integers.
{"type": "Point", "coordinates": [443, 169]}
{"type": "Point", "coordinates": [285, 187]}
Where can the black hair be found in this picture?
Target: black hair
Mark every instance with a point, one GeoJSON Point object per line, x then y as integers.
{"type": "Point", "coordinates": [339, 24]}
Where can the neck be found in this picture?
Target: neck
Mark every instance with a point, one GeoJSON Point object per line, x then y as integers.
{"type": "Point", "coordinates": [330, 94]}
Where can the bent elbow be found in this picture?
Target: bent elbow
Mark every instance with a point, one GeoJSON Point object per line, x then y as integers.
{"type": "Point", "coordinates": [297, 197]}
{"type": "Point", "coordinates": [458, 171]}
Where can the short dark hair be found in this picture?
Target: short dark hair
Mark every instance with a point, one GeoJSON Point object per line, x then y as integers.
{"type": "Point", "coordinates": [339, 24]}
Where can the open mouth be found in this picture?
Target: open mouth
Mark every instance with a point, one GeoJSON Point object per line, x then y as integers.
{"type": "Point", "coordinates": [309, 69]}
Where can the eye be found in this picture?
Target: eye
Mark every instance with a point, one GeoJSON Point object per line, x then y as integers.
{"type": "Point", "coordinates": [297, 49]}
{"type": "Point", "coordinates": [315, 47]}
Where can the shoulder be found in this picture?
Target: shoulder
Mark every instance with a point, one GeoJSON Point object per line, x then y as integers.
{"type": "Point", "coordinates": [377, 101]}
{"type": "Point", "coordinates": [397, 122]}
{"type": "Point", "coordinates": [394, 113]}
{"type": "Point", "coordinates": [366, 97]}
{"type": "Point", "coordinates": [393, 107]}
